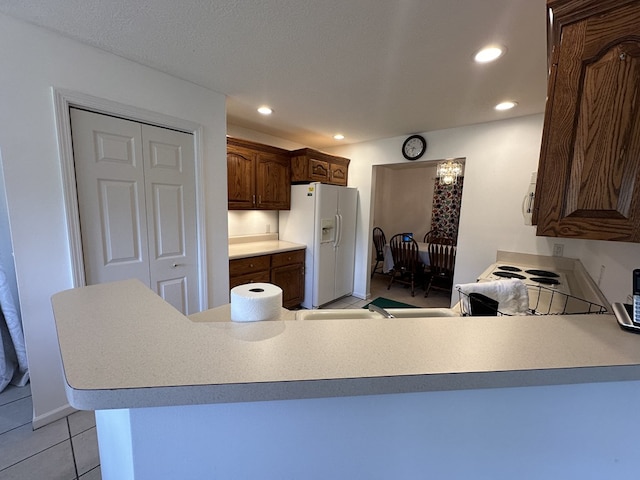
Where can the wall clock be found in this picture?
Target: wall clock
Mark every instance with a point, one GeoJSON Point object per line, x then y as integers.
{"type": "Point", "coordinates": [414, 147]}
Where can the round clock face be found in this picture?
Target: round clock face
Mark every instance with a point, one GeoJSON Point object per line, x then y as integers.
{"type": "Point", "coordinates": [414, 147]}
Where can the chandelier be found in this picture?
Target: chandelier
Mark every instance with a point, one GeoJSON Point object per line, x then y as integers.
{"type": "Point", "coordinates": [448, 172]}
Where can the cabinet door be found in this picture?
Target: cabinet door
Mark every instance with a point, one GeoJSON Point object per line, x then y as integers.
{"type": "Point", "coordinates": [287, 271]}
{"type": "Point", "coordinates": [318, 170]}
{"type": "Point", "coordinates": [290, 279]}
{"type": "Point", "coordinates": [273, 182]}
{"type": "Point", "coordinates": [338, 174]}
{"type": "Point", "coordinates": [240, 178]}
{"type": "Point", "coordinates": [589, 173]}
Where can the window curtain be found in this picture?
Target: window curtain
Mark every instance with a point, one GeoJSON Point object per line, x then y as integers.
{"type": "Point", "coordinates": [445, 215]}
{"type": "Point", "coordinates": [13, 354]}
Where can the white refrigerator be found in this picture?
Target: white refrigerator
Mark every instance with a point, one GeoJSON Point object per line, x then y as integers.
{"type": "Point", "coordinates": [323, 217]}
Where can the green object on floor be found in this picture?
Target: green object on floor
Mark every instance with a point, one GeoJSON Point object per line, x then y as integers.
{"type": "Point", "coordinates": [386, 303]}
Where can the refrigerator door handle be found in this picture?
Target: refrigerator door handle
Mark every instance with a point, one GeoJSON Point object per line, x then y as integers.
{"type": "Point", "coordinates": [339, 230]}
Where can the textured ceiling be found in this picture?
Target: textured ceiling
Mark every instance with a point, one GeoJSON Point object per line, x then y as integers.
{"type": "Point", "coordinates": [367, 68]}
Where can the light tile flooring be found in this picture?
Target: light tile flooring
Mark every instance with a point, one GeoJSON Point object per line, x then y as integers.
{"type": "Point", "coordinates": [397, 292]}
{"type": "Point", "coordinates": [68, 449]}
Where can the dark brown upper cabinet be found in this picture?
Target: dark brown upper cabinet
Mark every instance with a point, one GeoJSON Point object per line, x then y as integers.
{"type": "Point", "coordinates": [589, 172]}
{"type": "Point", "coordinates": [308, 165]}
{"type": "Point", "coordinates": [258, 176]}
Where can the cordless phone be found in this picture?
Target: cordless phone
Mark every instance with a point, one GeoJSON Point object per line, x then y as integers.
{"type": "Point", "coordinates": [636, 296]}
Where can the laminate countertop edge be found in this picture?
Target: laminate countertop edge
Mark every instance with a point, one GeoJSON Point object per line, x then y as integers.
{"type": "Point", "coordinates": [268, 247]}
{"type": "Point", "coordinates": [146, 397]}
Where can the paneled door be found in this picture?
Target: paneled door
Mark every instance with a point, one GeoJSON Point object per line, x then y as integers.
{"type": "Point", "coordinates": [137, 205]}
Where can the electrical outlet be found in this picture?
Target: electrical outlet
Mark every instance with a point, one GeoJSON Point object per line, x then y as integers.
{"type": "Point", "coordinates": [558, 249]}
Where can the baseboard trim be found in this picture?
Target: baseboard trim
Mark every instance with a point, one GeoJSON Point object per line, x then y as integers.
{"type": "Point", "coordinates": [360, 295]}
{"type": "Point", "coordinates": [52, 416]}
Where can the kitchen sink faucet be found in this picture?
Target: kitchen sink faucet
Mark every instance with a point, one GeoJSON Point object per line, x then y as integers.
{"type": "Point", "coordinates": [380, 310]}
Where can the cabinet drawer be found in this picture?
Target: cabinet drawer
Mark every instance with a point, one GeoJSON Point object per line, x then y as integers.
{"type": "Point", "coordinates": [258, 277]}
{"type": "Point", "coordinates": [242, 266]}
{"type": "Point", "coordinates": [287, 258]}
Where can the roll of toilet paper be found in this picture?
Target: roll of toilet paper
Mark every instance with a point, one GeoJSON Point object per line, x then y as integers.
{"type": "Point", "coordinates": [253, 302]}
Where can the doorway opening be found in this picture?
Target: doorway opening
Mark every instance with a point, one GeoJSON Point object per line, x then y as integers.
{"type": "Point", "coordinates": [408, 198]}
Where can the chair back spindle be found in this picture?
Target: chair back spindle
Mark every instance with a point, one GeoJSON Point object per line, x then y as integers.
{"type": "Point", "coordinates": [379, 241]}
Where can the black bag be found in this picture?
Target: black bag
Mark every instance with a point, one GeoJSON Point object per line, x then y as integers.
{"type": "Point", "coordinates": [481, 305]}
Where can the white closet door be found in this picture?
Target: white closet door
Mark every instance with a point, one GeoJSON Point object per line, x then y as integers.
{"type": "Point", "coordinates": [169, 172]}
{"type": "Point", "coordinates": [111, 197]}
{"type": "Point", "coordinates": [136, 198]}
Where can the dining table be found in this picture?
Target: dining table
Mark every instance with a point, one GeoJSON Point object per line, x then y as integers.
{"type": "Point", "coordinates": [388, 263]}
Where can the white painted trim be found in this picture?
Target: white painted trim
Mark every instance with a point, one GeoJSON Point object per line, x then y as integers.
{"type": "Point", "coordinates": [62, 101]}
{"type": "Point", "coordinates": [65, 150]}
{"type": "Point", "coordinates": [52, 416]}
{"type": "Point", "coordinates": [201, 231]}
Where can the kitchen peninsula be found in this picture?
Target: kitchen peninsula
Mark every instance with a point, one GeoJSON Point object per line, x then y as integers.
{"type": "Point", "coordinates": [203, 397]}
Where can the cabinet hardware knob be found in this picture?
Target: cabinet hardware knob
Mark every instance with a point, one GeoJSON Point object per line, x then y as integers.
{"type": "Point", "coordinates": [174, 265]}
{"type": "Point", "coordinates": [623, 56]}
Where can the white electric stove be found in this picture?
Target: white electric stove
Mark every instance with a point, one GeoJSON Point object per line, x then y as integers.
{"type": "Point", "coordinates": [530, 275]}
{"type": "Point", "coordinates": [551, 282]}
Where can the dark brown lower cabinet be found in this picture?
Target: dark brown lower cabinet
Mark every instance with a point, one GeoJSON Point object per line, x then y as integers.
{"type": "Point", "coordinates": [285, 270]}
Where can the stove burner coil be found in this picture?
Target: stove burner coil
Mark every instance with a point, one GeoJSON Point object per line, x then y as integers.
{"type": "Point", "coordinates": [545, 280]}
{"type": "Point", "coordinates": [509, 268]}
{"type": "Point", "coordinates": [509, 275]}
{"type": "Point", "coordinates": [542, 273]}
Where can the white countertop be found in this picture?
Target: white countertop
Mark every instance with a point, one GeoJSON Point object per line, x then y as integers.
{"type": "Point", "coordinates": [123, 347]}
{"type": "Point", "coordinates": [264, 247]}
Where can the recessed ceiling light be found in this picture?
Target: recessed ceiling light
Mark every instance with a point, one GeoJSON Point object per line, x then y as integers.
{"type": "Point", "coordinates": [264, 110]}
{"type": "Point", "coordinates": [338, 136]}
{"type": "Point", "coordinates": [489, 54]}
{"type": "Point", "coordinates": [505, 105]}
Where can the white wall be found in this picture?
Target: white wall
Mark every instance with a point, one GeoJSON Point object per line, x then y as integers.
{"type": "Point", "coordinates": [33, 61]}
{"type": "Point", "coordinates": [500, 157]}
{"type": "Point", "coordinates": [252, 222]}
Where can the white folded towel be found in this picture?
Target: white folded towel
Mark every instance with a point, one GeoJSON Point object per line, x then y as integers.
{"type": "Point", "coordinates": [511, 294]}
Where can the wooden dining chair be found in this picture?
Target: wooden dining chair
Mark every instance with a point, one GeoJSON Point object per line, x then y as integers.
{"type": "Point", "coordinates": [379, 241]}
{"type": "Point", "coordinates": [441, 240]}
{"type": "Point", "coordinates": [429, 236]}
{"type": "Point", "coordinates": [434, 236]}
{"type": "Point", "coordinates": [406, 261]}
{"type": "Point", "coordinates": [442, 259]}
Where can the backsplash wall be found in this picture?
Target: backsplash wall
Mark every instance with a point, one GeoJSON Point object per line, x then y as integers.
{"type": "Point", "coordinates": [252, 222]}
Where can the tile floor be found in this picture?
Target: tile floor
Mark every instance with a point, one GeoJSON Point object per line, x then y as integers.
{"type": "Point", "coordinates": [68, 449]}
{"type": "Point", "coordinates": [397, 292]}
